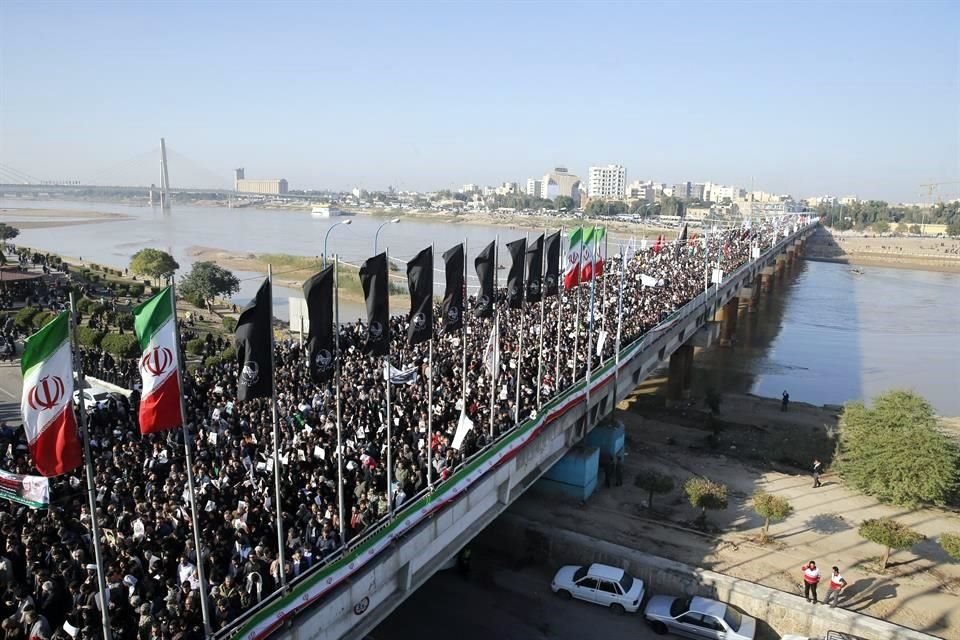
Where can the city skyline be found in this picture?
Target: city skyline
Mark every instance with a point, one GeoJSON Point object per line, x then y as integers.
{"type": "Point", "coordinates": [807, 100]}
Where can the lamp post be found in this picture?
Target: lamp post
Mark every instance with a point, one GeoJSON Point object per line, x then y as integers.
{"type": "Point", "coordinates": [327, 237]}
{"type": "Point", "coordinates": [376, 236]}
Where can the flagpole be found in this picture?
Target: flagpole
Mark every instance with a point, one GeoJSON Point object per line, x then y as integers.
{"type": "Point", "coordinates": [281, 552]}
{"type": "Point", "coordinates": [543, 299]}
{"type": "Point", "coordinates": [593, 288]}
{"type": "Point", "coordinates": [430, 384]}
{"type": "Point", "coordinates": [463, 322]}
{"type": "Point", "coordinates": [560, 290]}
{"type": "Point", "coordinates": [523, 295]}
{"type": "Point", "coordinates": [188, 447]}
{"type": "Point", "coordinates": [341, 506]}
{"type": "Point", "coordinates": [576, 321]}
{"type": "Point", "coordinates": [386, 379]}
{"type": "Point", "coordinates": [616, 366]}
{"type": "Point", "coordinates": [91, 487]}
{"type": "Point", "coordinates": [496, 336]}
{"type": "Point", "coordinates": [603, 291]}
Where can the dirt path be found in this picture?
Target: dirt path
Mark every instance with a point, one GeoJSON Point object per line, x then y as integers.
{"type": "Point", "coordinates": [921, 590]}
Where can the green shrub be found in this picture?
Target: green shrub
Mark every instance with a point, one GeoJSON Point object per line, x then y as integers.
{"type": "Point", "coordinates": [88, 337]}
{"type": "Point", "coordinates": [136, 289]}
{"type": "Point", "coordinates": [85, 305]}
{"type": "Point", "coordinates": [195, 346]}
{"type": "Point", "coordinates": [124, 346]}
{"type": "Point", "coordinates": [229, 323]}
{"type": "Point", "coordinates": [42, 318]}
{"type": "Point", "coordinates": [950, 542]}
{"type": "Point", "coordinates": [125, 321]}
{"type": "Point", "coordinates": [229, 354]}
{"type": "Point", "coordinates": [24, 317]}
{"type": "Point", "coordinates": [193, 298]}
{"type": "Point", "coordinates": [212, 361]}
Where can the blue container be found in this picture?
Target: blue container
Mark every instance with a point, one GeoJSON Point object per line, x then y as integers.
{"type": "Point", "coordinates": [578, 467]}
{"type": "Point", "coordinates": [554, 488]}
{"type": "Point", "coordinates": [608, 438]}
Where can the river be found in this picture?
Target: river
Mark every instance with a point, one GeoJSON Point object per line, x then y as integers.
{"type": "Point", "coordinates": [829, 337]}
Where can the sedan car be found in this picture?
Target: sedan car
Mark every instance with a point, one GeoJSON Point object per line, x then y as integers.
{"type": "Point", "coordinates": [698, 618]}
{"type": "Point", "coordinates": [600, 584]}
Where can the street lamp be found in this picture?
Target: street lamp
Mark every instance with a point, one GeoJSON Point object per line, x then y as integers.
{"type": "Point", "coordinates": [327, 237]}
{"type": "Point", "coordinates": [376, 236]}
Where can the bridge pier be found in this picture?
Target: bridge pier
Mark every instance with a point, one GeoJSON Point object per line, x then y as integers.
{"type": "Point", "coordinates": [781, 266]}
{"type": "Point", "coordinates": [766, 280]}
{"type": "Point", "coordinates": [748, 298]}
{"type": "Point", "coordinates": [728, 324]}
{"type": "Point", "coordinates": [680, 376]}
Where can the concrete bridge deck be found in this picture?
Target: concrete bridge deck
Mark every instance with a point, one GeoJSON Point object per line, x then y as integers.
{"type": "Point", "coordinates": [356, 590]}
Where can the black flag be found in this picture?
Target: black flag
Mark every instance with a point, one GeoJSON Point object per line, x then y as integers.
{"type": "Point", "coordinates": [373, 278]}
{"type": "Point", "coordinates": [420, 283]}
{"type": "Point", "coordinates": [253, 342]}
{"type": "Point", "coordinates": [534, 269]}
{"type": "Point", "coordinates": [453, 295]}
{"type": "Point", "coordinates": [552, 277]}
{"type": "Point", "coordinates": [318, 291]}
{"type": "Point", "coordinates": [517, 249]}
{"type": "Point", "coordinates": [681, 241]}
{"type": "Point", "coordinates": [486, 271]}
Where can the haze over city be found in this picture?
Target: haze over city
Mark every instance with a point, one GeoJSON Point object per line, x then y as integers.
{"type": "Point", "coordinates": [802, 99]}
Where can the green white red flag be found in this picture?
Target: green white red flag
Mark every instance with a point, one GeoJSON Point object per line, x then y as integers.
{"type": "Point", "coordinates": [47, 403]}
{"type": "Point", "coordinates": [600, 257]}
{"type": "Point", "coordinates": [155, 323]}
{"type": "Point", "coordinates": [586, 254]}
{"type": "Point", "coordinates": [571, 277]}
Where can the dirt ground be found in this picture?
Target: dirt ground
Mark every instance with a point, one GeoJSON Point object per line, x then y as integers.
{"type": "Point", "coordinates": [927, 254]}
{"type": "Point", "coordinates": [921, 589]}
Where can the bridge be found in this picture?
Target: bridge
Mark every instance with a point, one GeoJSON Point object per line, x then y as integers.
{"type": "Point", "coordinates": [358, 588]}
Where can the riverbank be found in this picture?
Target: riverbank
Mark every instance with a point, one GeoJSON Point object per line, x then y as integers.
{"type": "Point", "coordinates": [51, 218]}
{"type": "Point", "coordinates": [924, 254]}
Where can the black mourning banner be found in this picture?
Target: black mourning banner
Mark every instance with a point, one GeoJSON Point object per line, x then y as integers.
{"type": "Point", "coordinates": [420, 283]}
{"type": "Point", "coordinates": [486, 270]}
{"type": "Point", "coordinates": [253, 342]}
{"type": "Point", "coordinates": [551, 279]}
{"type": "Point", "coordinates": [681, 241]}
{"type": "Point", "coordinates": [452, 309]}
{"type": "Point", "coordinates": [373, 278]}
{"type": "Point", "coordinates": [517, 249]}
{"type": "Point", "coordinates": [318, 291]}
{"type": "Point", "coordinates": [535, 269]}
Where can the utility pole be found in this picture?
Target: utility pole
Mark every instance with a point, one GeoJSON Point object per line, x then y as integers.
{"type": "Point", "coordinates": [164, 177]}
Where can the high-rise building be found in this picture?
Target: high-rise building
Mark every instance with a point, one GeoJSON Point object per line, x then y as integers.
{"type": "Point", "coordinates": [609, 182]}
{"type": "Point", "coordinates": [681, 190]}
{"type": "Point", "coordinates": [561, 182]}
{"type": "Point", "coordinates": [533, 187]}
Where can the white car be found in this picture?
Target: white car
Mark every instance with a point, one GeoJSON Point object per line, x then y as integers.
{"type": "Point", "coordinates": [600, 584]}
{"type": "Point", "coordinates": [91, 400]}
{"type": "Point", "coordinates": [698, 618]}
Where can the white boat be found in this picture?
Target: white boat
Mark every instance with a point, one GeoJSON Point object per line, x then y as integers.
{"type": "Point", "coordinates": [325, 212]}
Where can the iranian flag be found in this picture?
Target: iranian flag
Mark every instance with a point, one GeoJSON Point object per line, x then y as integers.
{"type": "Point", "coordinates": [571, 277]}
{"type": "Point", "coordinates": [600, 239]}
{"type": "Point", "coordinates": [156, 324]}
{"type": "Point", "coordinates": [47, 403]}
{"type": "Point", "coordinates": [586, 255]}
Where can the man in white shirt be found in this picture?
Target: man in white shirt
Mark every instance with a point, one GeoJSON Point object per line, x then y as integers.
{"type": "Point", "coordinates": [837, 585]}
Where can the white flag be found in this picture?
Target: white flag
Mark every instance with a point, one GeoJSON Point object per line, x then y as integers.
{"type": "Point", "coordinates": [601, 339]}
{"type": "Point", "coordinates": [491, 355]}
{"type": "Point", "coordinates": [463, 426]}
{"type": "Point", "coordinates": [647, 281]}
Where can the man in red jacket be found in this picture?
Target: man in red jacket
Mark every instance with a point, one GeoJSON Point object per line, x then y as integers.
{"type": "Point", "coordinates": [811, 578]}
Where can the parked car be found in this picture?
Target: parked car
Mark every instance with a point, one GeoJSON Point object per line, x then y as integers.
{"type": "Point", "coordinates": [698, 618]}
{"type": "Point", "coordinates": [91, 400]}
{"type": "Point", "coordinates": [600, 584]}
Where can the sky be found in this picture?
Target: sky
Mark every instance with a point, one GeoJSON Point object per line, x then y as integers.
{"type": "Point", "coordinates": [803, 98]}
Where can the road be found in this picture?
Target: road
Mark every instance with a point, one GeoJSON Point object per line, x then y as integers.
{"type": "Point", "coordinates": [10, 385]}
{"type": "Point", "coordinates": [498, 602]}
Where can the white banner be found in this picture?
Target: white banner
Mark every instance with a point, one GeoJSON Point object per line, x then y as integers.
{"type": "Point", "coordinates": [717, 277]}
{"type": "Point", "coordinates": [463, 426]}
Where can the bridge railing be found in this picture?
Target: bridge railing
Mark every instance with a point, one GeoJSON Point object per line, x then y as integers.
{"type": "Point", "coordinates": [287, 603]}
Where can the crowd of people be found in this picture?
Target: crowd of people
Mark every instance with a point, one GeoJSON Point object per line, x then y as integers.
{"type": "Point", "coordinates": [48, 581]}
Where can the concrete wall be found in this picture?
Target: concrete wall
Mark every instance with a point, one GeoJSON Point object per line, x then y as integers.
{"type": "Point", "coordinates": [780, 612]}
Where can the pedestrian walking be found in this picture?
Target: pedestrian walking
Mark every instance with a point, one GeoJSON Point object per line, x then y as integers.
{"type": "Point", "coordinates": [817, 470]}
{"type": "Point", "coordinates": [837, 585]}
{"type": "Point", "coordinates": [785, 402]}
{"type": "Point", "coordinates": [811, 578]}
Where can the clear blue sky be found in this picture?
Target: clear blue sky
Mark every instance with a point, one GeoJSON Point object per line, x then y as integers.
{"type": "Point", "coordinates": [806, 98]}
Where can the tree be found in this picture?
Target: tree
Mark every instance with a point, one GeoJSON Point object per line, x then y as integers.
{"type": "Point", "coordinates": [950, 542]}
{"type": "Point", "coordinates": [889, 534]}
{"type": "Point", "coordinates": [902, 227]}
{"type": "Point", "coordinates": [953, 228]}
{"type": "Point", "coordinates": [154, 263]}
{"type": "Point", "coordinates": [770, 507]}
{"type": "Point", "coordinates": [896, 452]}
{"type": "Point", "coordinates": [704, 494]}
{"type": "Point", "coordinates": [653, 482]}
{"type": "Point", "coordinates": [881, 226]}
{"type": "Point", "coordinates": [564, 203]}
{"type": "Point", "coordinates": [915, 229]}
{"type": "Point", "coordinates": [207, 280]}
{"type": "Point", "coordinates": [596, 208]}
{"type": "Point", "coordinates": [7, 233]}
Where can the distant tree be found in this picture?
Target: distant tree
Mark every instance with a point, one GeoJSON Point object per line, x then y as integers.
{"type": "Point", "coordinates": [953, 228]}
{"type": "Point", "coordinates": [896, 451]}
{"type": "Point", "coordinates": [154, 263]}
{"type": "Point", "coordinates": [770, 507]}
{"type": "Point", "coordinates": [889, 534]}
{"type": "Point", "coordinates": [881, 226]}
{"type": "Point", "coordinates": [564, 203]}
{"type": "Point", "coordinates": [207, 280]}
{"type": "Point", "coordinates": [705, 494]}
{"type": "Point", "coordinates": [915, 229]}
{"type": "Point", "coordinates": [653, 482]}
{"type": "Point", "coordinates": [7, 233]}
{"type": "Point", "coordinates": [950, 542]}
{"type": "Point", "coordinates": [902, 228]}
{"type": "Point", "coordinates": [596, 208]}
{"type": "Point", "coordinates": [617, 208]}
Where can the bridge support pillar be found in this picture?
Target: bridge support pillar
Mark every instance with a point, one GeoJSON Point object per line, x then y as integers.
{"type": "Point", "coordinates": [728, 326]}
{"type": "Point", "coordinates": [680, 375]}
{"type": "Point", "coordinates": [766, 279]}
{"type": "Point", "coordinates": [748, 298]}
{"type": "Point", "coordinates": [781, 265]}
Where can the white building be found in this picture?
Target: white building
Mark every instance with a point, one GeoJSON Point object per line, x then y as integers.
{"type": "Point", "coordinates": [718, 192]}
{"type": "Point", "coordinates": [469, 188]}
{"type": "Point", "coordinates": [508, 189]}
{"type": "Point", "coordinates": [849, 200]}
{"type": "Point", "coordinates": [533, 187]}
{"type": "Point", "coordinates": [561, 182]}
{"type": "Point", "coordinates": [639, 190]}
{"type": "Point", "coordinates": [609, 182]}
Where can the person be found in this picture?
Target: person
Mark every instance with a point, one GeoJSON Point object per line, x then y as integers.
{"type": "Point", "coordinates": [811, 578]}
{"type": "Point", "coordinates": [785, 402]}
{"type": "Point", "coordinates": [817, 470]}
{"type": "Point", "coordinates": [837, 585]}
